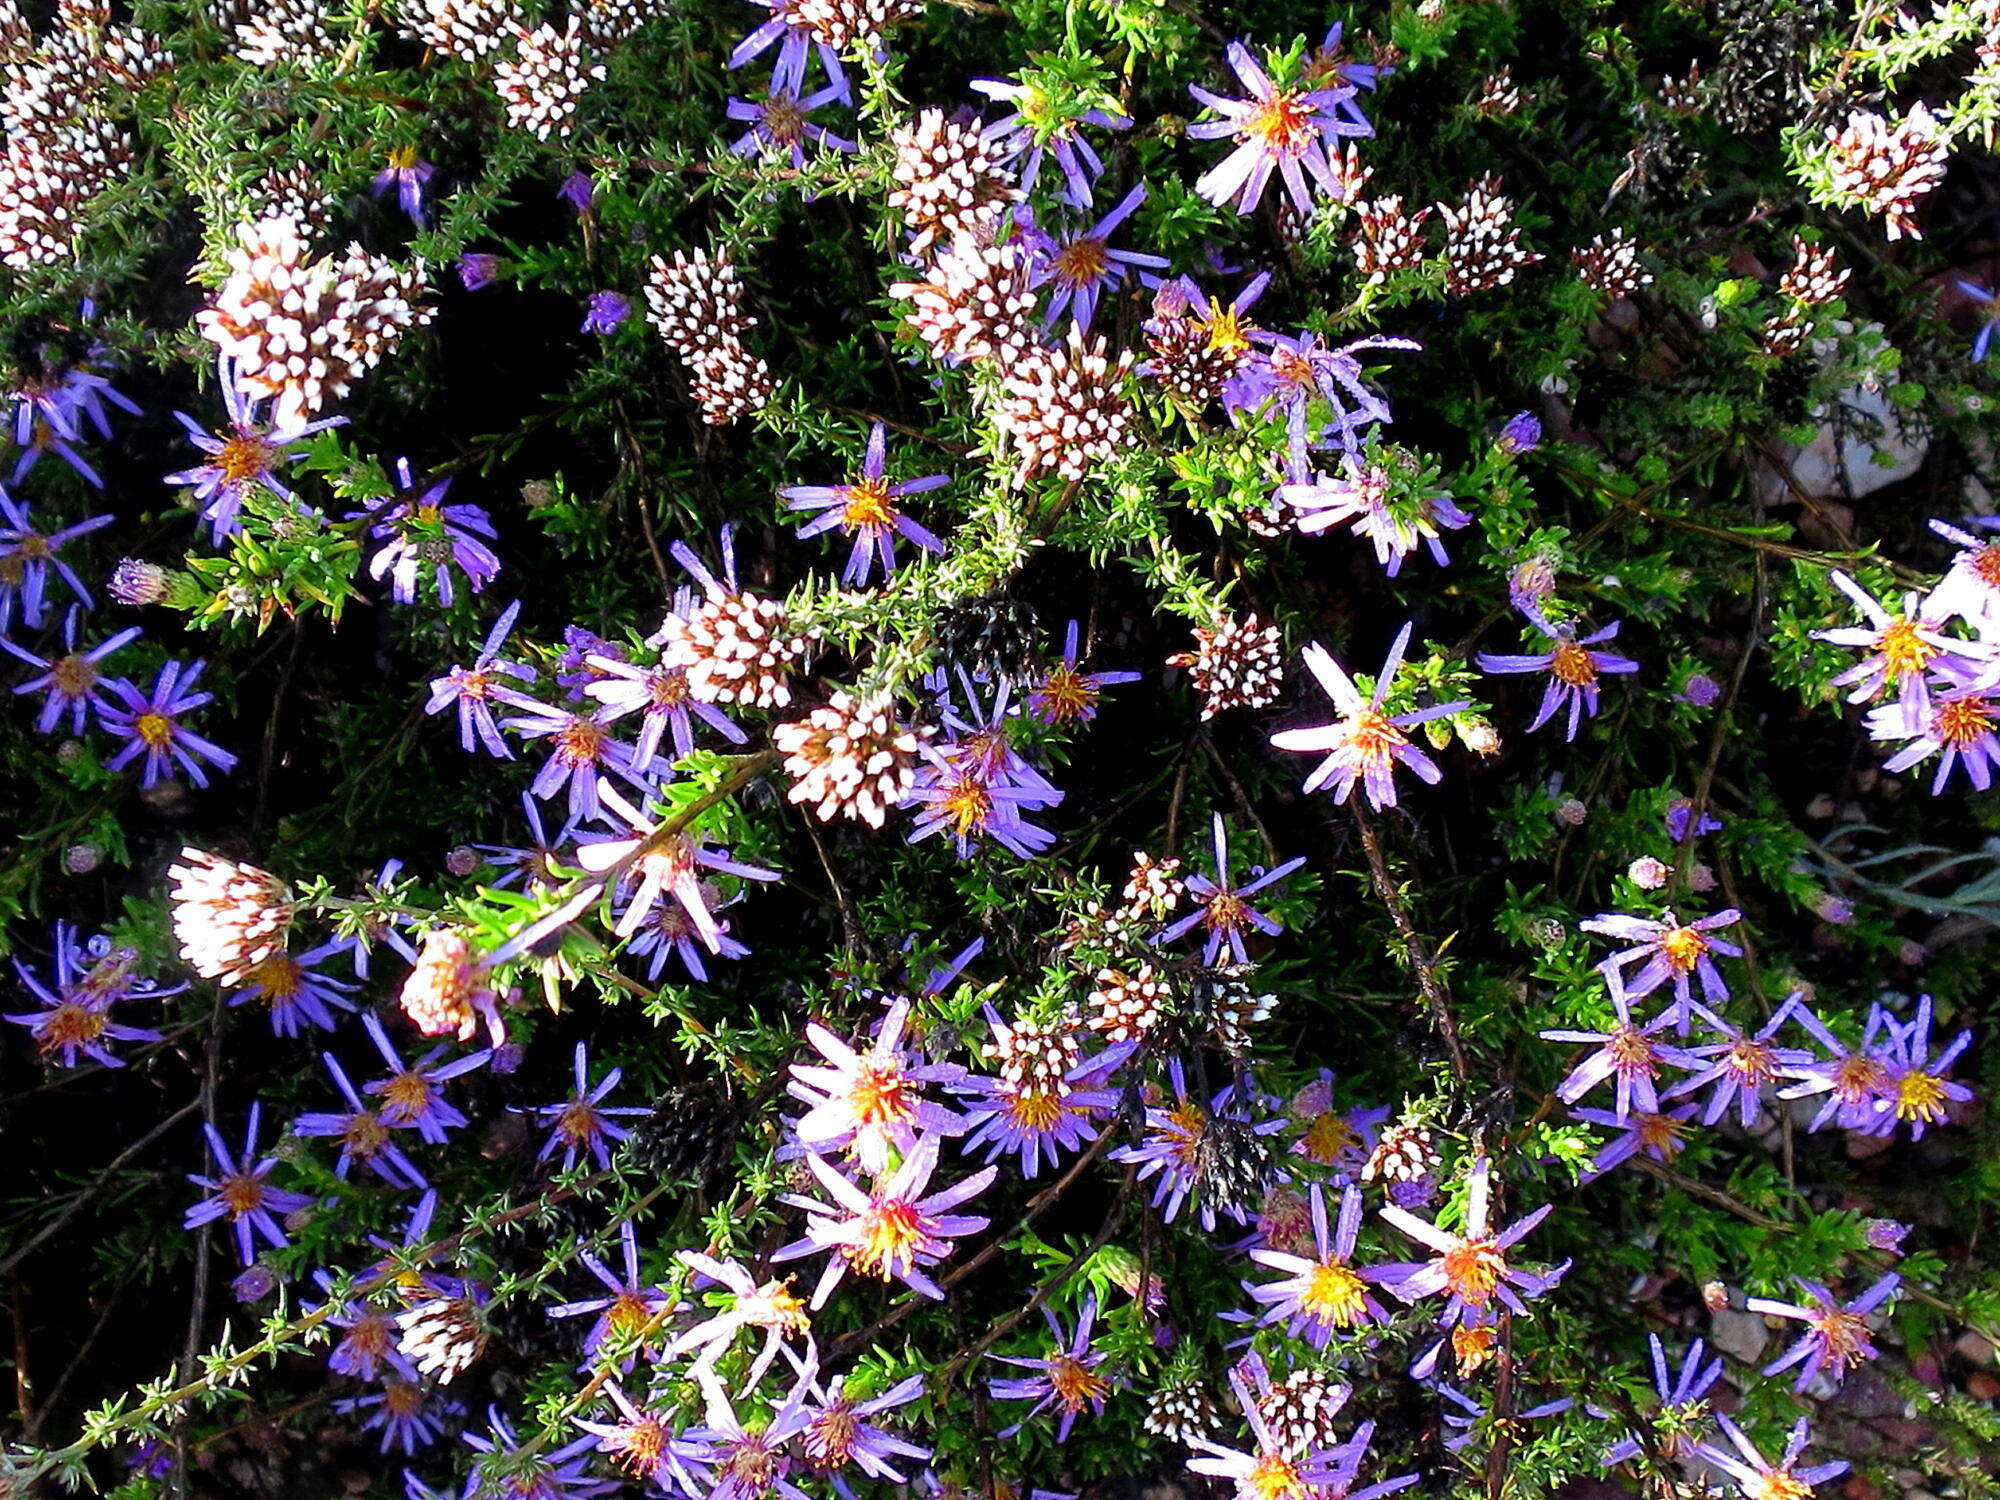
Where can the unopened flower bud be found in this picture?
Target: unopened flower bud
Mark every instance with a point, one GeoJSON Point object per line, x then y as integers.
{"type": "Point", "coordinates": [463, 860]}
{"type": "Point", "coordinates": [1912, 953]}
{"type": "Point", "coordinates": [81, 859]}
{"type": "Point", "coordinates": [1572, 811]}
{"type": "Point", "coordinates": [1647, 873]}
{"type": "Point", "coordinates": [1481, 738]}
{"type": "Point", "coordinates": [254, 1284]}
{"type": "Point", "coordinates": [1701, 690]}
{"type": "Point", "coordinates": [1831, 908]}
{"type": "Point", "coordinates": [1714, 1296]}
{"type": "Point", "coordinates": [1701, 879]}
{"type": "Point", "coordinates": [137, 583]}
{"type": "Point", "coordinates": [1885, 1234]}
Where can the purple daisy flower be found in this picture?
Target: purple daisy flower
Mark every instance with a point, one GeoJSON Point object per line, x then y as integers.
{"type": "Point", "coordinates": [671, 933]}
{"type": "Point", "coordinates": [866, 509]}
{"type": "Point", "coordinates": [1285, 1465]}
{"type": "Point", "coordinates": [408, 1416]}
{"type": "Point", "coordinates": [894, 1232]}
{"type": "Point", "coordinates": [1914, 1090]}
{"type": "Point", "coordinates": [1970, 587]}
{"type": "Point", "coordinates": [1628, 1053]}
{"type": "Point", "coordinates": [1361, 495]}
{"type": "Point", "coordinates": [1470, 1266]}
{"type": "Point", "coordinates": [28, 556]}
{"type": "Point", "coordinates": [1853, 1079]}
{"type": "Point", "coordinates": [295, 991]}
{"type": "Point", "coordinates": [506, 1467]}
{"type": "Point", "coordinates": [1572, 666]}
{"type": "Point", "coordinates": [1522, 434]}
{"type": "Point", "coordinates": [1065, 694]}
{"type": "Point", "coordinates": [1032, 131]}
{"type": "Point", "coordinates": [1655, 1133]}
{"type": "Point", "coordinates": [419, 532]}
{"type": "Point", "coordinates": [1082, 267]}
{"type": "Point", "coordinates": [406, 177]}
{"type": "Point", "coordinates": [1323, 1293]}
{"type": "Point", "coordinates": [1365, 744]}
{"type": "Point", "coordinates": [767, 1306]}
{"type": "Point", "coordinates": [1066, 1378]}
{"type": "Point", "coordinates": [1901, 651]}
{"type": "Point", "coordinates": [838, 1433]}
{"type": "Point", "coordinates": [245, 457]}
{"type": "Point", "coordinates": [53, 412]}
{"type": "Point", "coordinates": [633, 1306]}
{"type": "Point", "coordinates": [582, 754]}
{"type": "Point", "coordinates": [1682, 1407]}
{"type": "Point", "coordinates": [1740, 1066]}
{"type": "Point", "coordinates": [241, 1193]}
{"type": "Point", "coordinates": [1177, 1143]}
{"type": "Point", "coordinates": [531, 865]}
{"type": "Point", "coordinates": [781, 125]}
{"type": "Point", "coordinates": [870, 1103]}
{"type": "Point", "coordinates": [74, 1018]}
{"type": "Point", "coordinates": [664, 864]}
{"type": "Point", "coordinates": [659, 693]}
{"type": "Point", "coordinates": [413, 1097]}
{"type": "Point", "coordinates": [475, 689]}
{"type": "Point", "coordinates": [1671, 950]}
{"type": "Point", "coordinates": [1960, 721]}
{"type": "Point", "coordinates": [363, 1135]}
{"type": "Point", "coordinates": [367, 1342]}
{"type": "Point", "coordinates": [750, 1460]}
{"type": "Point", "coordinates": [1288, 130]}
{"type": "Point", "coordinates": [583, 1123]}
{"type": "Point", "coordinates": [1036, 1121]}
{"type": "Point", "coordinates": [1836, 1338]}
{"type": "Point", "coordinates": [1337, 1481]}
{"type": "Point", "coordinates": [73, 682]}
{"type": "Point", "coordinates": [641, 1443]}
{"type": "Point", "coordinates": [1287, 374]}
{"type": "Point", "coordinates": [150, 724]}
{"type": "Point", "coordinates": [1222, 910]}
{"type": "Point", "coordinates": [1757, 1478]}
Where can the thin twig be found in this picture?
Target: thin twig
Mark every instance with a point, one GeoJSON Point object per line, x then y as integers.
{"type": "Point", "coordinates": [1436, 996]}
{"type": "Point", "coordinates": [90, 1190]}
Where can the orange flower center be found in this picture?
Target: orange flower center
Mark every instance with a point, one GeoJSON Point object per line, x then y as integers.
{"type": "Point", "coordinates": [888, 1239]}
{"type": "Point", "coordinates": [579, 742]}
{"type": "Point", "coordinates": [1661, 1133]}
{"type": "Point", "coordinates": [1904, 652]}
{"type": "Point", "coordinates": [881, 1093]}
{"type": "Point", "coordinates": [829, 1441]}
{"type": "Point", "coordinates": [1960, 721]}
{"type": "Point", "coordinates": [968, 804]}
{"type": "Point", "coordinates": [1075, 1384]}
{"type": "Point", "coordinates": [1682, 947]}
{"type": "Point", "coordinates": [1374, 737]}
{"type": "Point", "coordinates": [1857, 1078]}
{"type": "Point", "coordinates": [1472, 1269]}
{"type": "Point", "coordinates": [1185, 1127]}
{"type": "Point", "coordinates": [1282, 124]}
{"type": "Point", "coordinates": [1778, 1484]}
{"type": "Point", "coordinates": [406, 1096]}
{"type": "Point", "coordinates": [783, 121]}
{"type": "Point", "coordinates": [1334, 1294]}
{"type": "Point", "coordinates": [1846, 1336]}
{"type": "Point", "coordinates": [73, 675]}
{"type": "Point", "coordinates": [1067, 695]}
{"type": "Point", "coordinates": [1080, 262]}
{"type": "Point", "coordinates": [241, 1194]}
{"type": "Point", "coordinates": [1631, 1052]}
{"type": "Point", "coordinates": [1292, 368]}
{"type": "Point", "coordinates": [667, 687]}
{"type": "Point", "coordinates": [628, 1313]}
{"type": "Point", "coordinates": [244, 457]}
{"type": "Point", "coordinates": [1472, 1347]}
{"type": "Point", "coordinates": [70, 1025]}
{"type": "Point", "coordinates": [1986, 565]}
{"type": "Point", "coordinates": [638, 1446]}
{"type": "Point", "coordinates": [577, 1124]}
{"type": "Point", "coordinates": [1751, 1062]}
{"type": "Point", "coordinates": [1573, 665]}
{"type": "Point", "coordinates": [1226, 912]}
{"type": "Point", "coordinates": [1327, 1137]}
{"type": "Point", "coordinates": [32, 544]}
{"type": "Point", "coordinates": [472, 683]}
{"type": "Point", "coordinates": [400, 1400]}
{"type": "Point", "coordinates": [364, 1134]}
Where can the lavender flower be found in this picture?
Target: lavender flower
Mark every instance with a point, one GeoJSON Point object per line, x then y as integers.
{"type": "Point", "coordinates": [28, 556]}
{"type": "Point", "coordinates": [420, 531]}
{"type": "Point", "coordinates": [767, 1306]}
{"type": "Point", "coordinates": [1081, 267]}
{"type": "Point", "coordinates": [1854, 1079]}
{"type": "Point", "coordinates": [633, 1308]}
{"type": "Point", "coordinates": [1038, 1119]}
{"type": "Point", "coordinates": [245, 457]}
{"type": "Point", "coordinates": [582, 754]}
{"type": "Point", "coordinates": [1740, 1066]}
{"type": "Point", "coordinates": [838, 1433]}
{"type": "Point", "coordinates": [1572, 666]}
{"type": "Point", "coordinates": [1970, 587]}
{"type": "Point", "coordinates": [1394, 526]}
{"type": "Point", "coordinates": [781, 127]}
{"type": "Point", "coordinates": [1033, 130]}
{"type": "Point", "coordinates": [894, 1232]}
{"type": "Point", "coordinates": [1672, 950]}
{"type": "Point", "coordinates": [1470, 1266]}
{"type": "Point", "coordinates": [1288, 374]}
{"type": "Point", "coordinates": [870, 1103]}
{"type": "Point", "coordinates": [406, 177]}
{"type": "Point", "coordinates": [1222, 910]}
{"type": "Point", "coordinates": [150, 724]}
{"type": "Point", "coordinates": [1627, 1053]}
{"type": "Point", "coordinates": [508, 1468]}
{"type": "Point", "coordinates": [1757, 1478]}
{"type": "Point", "coordinates": [408, 1416]}
{"type": "Point", "coordinates": [1065, 694]}
{"type": "Point", "coordinates": [413, 1097]}
{"type": "Point", "coordinates": [576, 190]}
{"type": "Point", "coordinates": [1066, 1378]}
{"type": "Point", "coordinates": [1901, 651]}
{"type": "Point", "coordinates": [1836, 1338]}
{"type": "Point", "coordinates": [659, 694]}
{"type": "Point", "coordinates": [642, 1444]}
{"type": "Point", "coordinates": [1656, 1134]}
{"type": "Point", "coordinates": [1682, 1408]}
{"type": "Point", "coordinates": [477, 270]}
{"type": "Point", "coordinates": [1914, 1091]}
{"type": "Point", "coordinates": [1186, 1151]}
{"type": "Point", "coordinates": [74, 1018]}
{"type": "Point", "coordinates": [73, 682]}
{"type": "Point", "coordinates": [604, 312]}
{"type": "Point", "coordinates": [1365, 744]}
{"type": "Point", "coordinates": [866, 509]}
{"type": "Point", "coordinates": [241, 1193]}
{"type": "Point", "coordinates": [54, 411]}
{"type": "Point", "coordinates": [474, 690]}
{"type": "Point", "coordinates": [363, 1136]}
{"type": "Point", "coordinates": [583, 1123]}
{"type": "Point", "coordinates": [294, 990]}
{"type": "Point", "coordinates": [665, 865]}
{"type": "Point", "coordinates": [1283, 1467]}
{"type": "Point", "coordinates": [1961, 722]}
{"type": "Point", "coordinates": [1322, 1294]}
{"type": "Point", "coordinates": [1989, 317]}
{"type": "Point", "coordinates": [1287, 129]}
{"type": "Point", "coordinates": [1522, 434]}
{"type": "Point", "coordinates": [796, 42]}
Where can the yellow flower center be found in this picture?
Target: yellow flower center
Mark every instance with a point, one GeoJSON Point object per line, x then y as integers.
{"type": "Point", "coordinates": [881, 1093]}
{"type": "Point", "coordinates": [1682, 948]}
{"type": "Point", "coordinates": [637, 1447]}
{"type": "Point", "coordinates": [579, 742]}
{"type": "Point", "coordinates": [1272, 1477]}
{"type": "Point", "coordinates": [281, 977]}
{"type": "Point", "coordinates": [774, 1306]}
{"type": "Point", "coordinates": [245, 456]}
{"type": "Point", "coordinates": [1778, 1484]}
{"type": "Point", "coordinates": [32, 544]}
{"type": "Point", "coordinates": [241, 1194]}
{"type": "Point", "coordinates": [1327, 1137]}
{"type": "Point", "coordinates": [628, 1314]}
{"type": "Point", "coordinates": [1334, 1294]}
{"type": "Point", "coordinates": [865, 506]}
{"type": "Point", "coordinates": [1067, 695]}
{"type": "Point", "coordinates": [1919, 1096]}
{"type": "Point", "coordinates": [888, 1239]}
{"type": "Point", "coordinates": [1904, 653]}
{"type": "Point", "coordinates": [1472, 1347]}
{"type": "Point", "coordinates": [1373, 738]}
{"type": "Point", "coordinates": [1036, 1109]}
{"type": "Point", "coordinates": [1227, 332]}
{"type": "Point", "coordinates": [1573, 666]}
{"type": "Point", "coordinates": [1185, 1127]}
{"type": "Point", "coordinates": [968, 804]}
{"type": "Point", "coordinates": [406, 1096]}
{"type": "Point", "coordinates": [155, 731]}
{"type": "Point", "coordinates": [364, 1134]}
